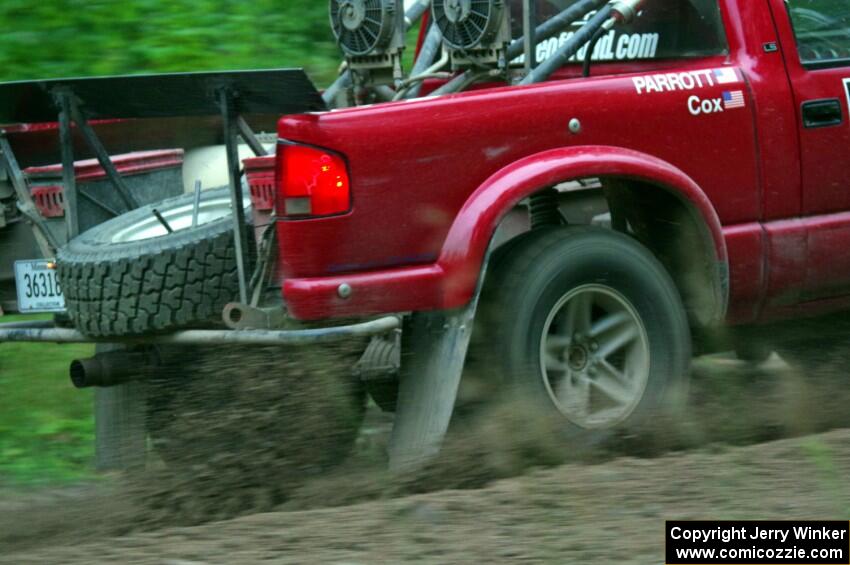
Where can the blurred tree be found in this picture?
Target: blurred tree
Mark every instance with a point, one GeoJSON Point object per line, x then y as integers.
{"type": "Point", "coordinates": [61, 38]}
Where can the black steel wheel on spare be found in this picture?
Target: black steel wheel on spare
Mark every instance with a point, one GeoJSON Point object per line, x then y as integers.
{"type": "Point", "coordinates": [131, 276]}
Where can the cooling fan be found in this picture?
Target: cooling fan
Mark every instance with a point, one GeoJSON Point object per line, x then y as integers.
{"type": "Point", "coordinates": [371, 35]}
{"type": "Point", "coordinates": [474, 31]}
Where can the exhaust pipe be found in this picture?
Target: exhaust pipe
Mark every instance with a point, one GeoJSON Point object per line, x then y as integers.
{"type": "Point", "coordinates": [112, 368]}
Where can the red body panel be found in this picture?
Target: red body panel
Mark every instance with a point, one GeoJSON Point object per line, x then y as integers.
{"type": "Point", "coordinates": [450, 282]}
{"type": "Point", "coordinates": [747, 270]}
{"type": "Point", "coordinates": [127, 164]}
{"type": "Point", "coordinates": [432, 178]}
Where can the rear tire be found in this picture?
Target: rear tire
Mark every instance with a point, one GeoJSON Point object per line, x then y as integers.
{"type": "Point", "coordinates": [587, 324]}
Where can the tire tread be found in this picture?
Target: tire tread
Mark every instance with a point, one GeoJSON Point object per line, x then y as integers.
{"type": "Point", "coordinates": [161, 286]}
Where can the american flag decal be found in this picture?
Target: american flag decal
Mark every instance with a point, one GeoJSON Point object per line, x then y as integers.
{"type": "Point", "coordinates": [733, 99]}
{"type": "Point", "coordinates": [726, 76]}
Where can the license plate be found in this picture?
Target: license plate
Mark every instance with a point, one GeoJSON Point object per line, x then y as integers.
{"type": "Point", "coordinates": [38, 289]}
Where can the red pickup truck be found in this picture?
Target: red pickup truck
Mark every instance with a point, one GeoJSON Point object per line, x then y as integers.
{"type": "Point", "coordinates": [717, 134]}
{"type": "Point", "coordinates": [596, 186]}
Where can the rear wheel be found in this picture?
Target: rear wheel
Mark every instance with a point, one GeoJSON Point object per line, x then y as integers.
{"type": "Point", "coordinates": [589, 325]}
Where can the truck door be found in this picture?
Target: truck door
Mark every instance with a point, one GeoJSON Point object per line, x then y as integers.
{"type": "Point", "coordinates": [815, 37]}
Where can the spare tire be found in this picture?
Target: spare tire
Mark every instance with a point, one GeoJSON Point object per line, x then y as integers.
{"type": "Point", "coordinates": [129, 276]}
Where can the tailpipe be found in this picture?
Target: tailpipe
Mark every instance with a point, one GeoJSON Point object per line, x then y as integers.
{"type": "Point", "coordinates": [112, 368]}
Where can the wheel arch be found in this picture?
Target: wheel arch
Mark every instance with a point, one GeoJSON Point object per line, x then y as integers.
{"type": "Point", "coordinates": [634, 183]}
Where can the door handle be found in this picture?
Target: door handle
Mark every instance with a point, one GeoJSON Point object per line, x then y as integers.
{"type": "Point", "coordinates": [822, 113]}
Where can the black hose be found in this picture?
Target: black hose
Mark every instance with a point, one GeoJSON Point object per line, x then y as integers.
{"type": "Point", "coordinates": [591, 47]}
{"type": "Point", "coordinates": [570, 48]}
{"type": "Point", "coordinates": [555, 25]}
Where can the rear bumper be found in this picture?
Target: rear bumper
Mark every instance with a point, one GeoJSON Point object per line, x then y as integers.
{"type": "Point", "coordinates": [364, 294]}
{"type": "Point", "coordinates": [407, 289]}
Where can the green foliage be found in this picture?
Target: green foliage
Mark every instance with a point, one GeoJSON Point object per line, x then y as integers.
{"type": "Point", "coordinates": [46, 426]}
{"type": "Point", "coordinates": [824, 459]}
{"type": "Point", "coordinates": [61, 38]}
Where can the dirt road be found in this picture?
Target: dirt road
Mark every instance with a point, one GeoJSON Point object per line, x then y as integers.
{"type": "Point", "coordinates": [608, 508]}
{"type": "Point", "coordinates": [608, 513]}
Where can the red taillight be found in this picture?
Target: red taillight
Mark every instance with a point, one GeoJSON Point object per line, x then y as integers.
{"type": "Point", "coordinates": [311, 182]}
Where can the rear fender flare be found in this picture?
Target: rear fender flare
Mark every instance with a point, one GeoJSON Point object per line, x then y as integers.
{"type": "Point", "coordinates": [469, 237]}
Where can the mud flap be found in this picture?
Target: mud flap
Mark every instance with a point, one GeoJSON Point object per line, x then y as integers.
{"type": "Point", "coordinates": [428, 385]}
{"type": "Point", "coordinates": [429, 379]}
{"type": "Point", "coordinates": [120, 428]}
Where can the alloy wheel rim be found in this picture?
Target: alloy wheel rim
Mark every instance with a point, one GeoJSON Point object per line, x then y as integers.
{"type": "Point", "coordinates": [594, 357]}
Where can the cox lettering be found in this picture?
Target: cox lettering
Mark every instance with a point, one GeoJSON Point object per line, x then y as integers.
{"type": "Point", "coordinates": [698, 106]}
